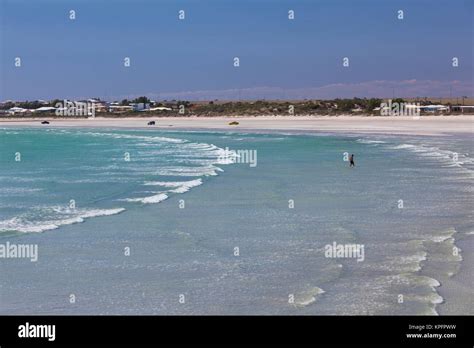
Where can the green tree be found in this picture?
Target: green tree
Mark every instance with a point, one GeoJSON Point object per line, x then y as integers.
{"type": "Point", "coordinates": [143, 99]}
{"type": "Point", "coordinates": [373, 103]}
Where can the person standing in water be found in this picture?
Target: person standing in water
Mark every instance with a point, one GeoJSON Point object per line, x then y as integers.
{"type": "Point", "coordinates": [351, 161]}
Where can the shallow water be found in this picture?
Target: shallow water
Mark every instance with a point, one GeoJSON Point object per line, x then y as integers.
{"type": "Point", "coordinates": [76, 196]}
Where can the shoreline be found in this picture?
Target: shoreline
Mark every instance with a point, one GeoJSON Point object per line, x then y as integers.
{"type": "Point", "coordinates": [387, 125]}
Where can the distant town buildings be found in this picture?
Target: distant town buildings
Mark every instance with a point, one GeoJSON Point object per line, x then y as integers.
{"type": "Point", "coordinates": [71, 108]}
{"type": "Point", "coordinates": [91, 107]}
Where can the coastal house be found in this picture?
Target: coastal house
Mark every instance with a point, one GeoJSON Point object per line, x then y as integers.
{"type": "Point", "coordinates": [45, 109]}
{"type": "Point", "coordinates": [120, 108]}
{"type": "Point", "coordinates": [463, 108]}
{"type": "Point", "coordinates": [97, 104]}
{"type": "Point", "coordinates": [434, 108]}
{"type": "Point", "coordinates": [140, 106]}
{"type": "Point", "coordinates": [16, 110]}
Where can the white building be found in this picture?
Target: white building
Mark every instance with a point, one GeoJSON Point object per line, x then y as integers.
{"type": "Point", "coordinates": [45, 109]}
{"type": "Point", "coordinates": [140, 106]}
{"type": "Point", "coordinates": [16, 110]}
{"type": "Point", "coordinates": [434, 108]}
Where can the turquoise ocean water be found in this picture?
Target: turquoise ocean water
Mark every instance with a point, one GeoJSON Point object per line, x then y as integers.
{"type": "Point", "coordinates": [209, 235]}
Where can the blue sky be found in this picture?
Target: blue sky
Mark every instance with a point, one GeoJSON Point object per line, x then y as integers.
{"type": "Point", "coordinates": [193, 58]}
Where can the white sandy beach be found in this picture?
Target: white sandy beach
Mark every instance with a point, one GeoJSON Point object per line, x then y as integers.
{"type": "Point", "coordinates": [424, 125]}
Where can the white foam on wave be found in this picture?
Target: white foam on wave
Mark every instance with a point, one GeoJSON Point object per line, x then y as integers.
{"type": "Point", "coordinates": [69, 217]}
{"type": "Point", "coordinates": [403, 146]}
{"type": "Point", "coordinates": [369, 141]}
{"type": "Point", "coordinates": [137, 137]}
{"type": "Point", "coordinates": [448, 238]}
{"type": "Point", "coordinates": [173, 186]}
{"type": "Point", "coordinates": [416, 279]}
{"type": "Point", "coordinates": [226, 156]}
{"type": "Point", "coordinates": [415, 260]}
{"type": "Point", "coordinates": [439, 239]}
{"type": "Point", "coordinates": [191, 183]}
{"type": "Point", "coordinates": [188, 159]}
{"type": "Point", "coordinates": [210, 170]}
{"type": "Point", "coordinates": [432, 298]}
{"type": "Point", "coordinates": [178, 186]}
{"type": "Point", "coordinates": [448, 157]}
{"type": "Point", "coordinates": [437, 247]}
{"type": "Point", "coordinates": [308, 297]}
{"type": "Point", "coordinates": [148, 200]}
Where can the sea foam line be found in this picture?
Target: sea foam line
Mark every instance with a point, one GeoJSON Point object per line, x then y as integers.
{"type": "Point", "coordinates": [414, 277]}
{"type": "Point", "coordinates": [309, 297]}
{"type": "Point", "coordinates": [452, 158]}
{"type": "Point", "coordinates": [148, 200]}
{"type": "Point", "coordinates": [19, 224]}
